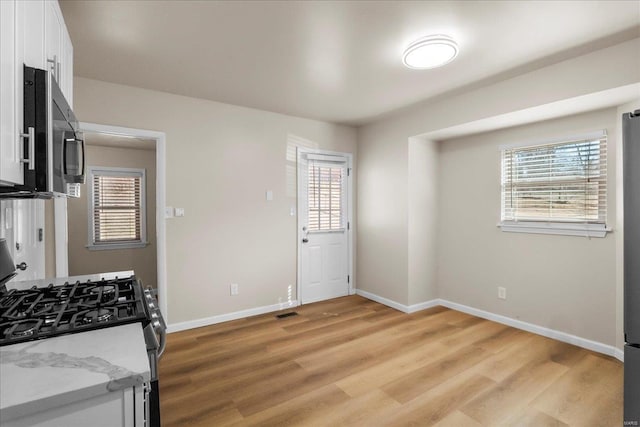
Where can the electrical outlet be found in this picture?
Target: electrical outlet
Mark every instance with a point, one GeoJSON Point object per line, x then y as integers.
{"type": "Point", "coordinates": [234, 289]}
{"type": "Point", "coordinates": [502, 292]}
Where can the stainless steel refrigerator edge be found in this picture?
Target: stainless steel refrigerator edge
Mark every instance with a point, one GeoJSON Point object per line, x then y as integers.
{"type": "Point", "coordinates": [631, 160]}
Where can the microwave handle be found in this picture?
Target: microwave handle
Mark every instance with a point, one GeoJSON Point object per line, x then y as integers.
{"type": "Point", "coordinates": [83, 156]}
{"type": "Point", "coordinates": [64, 153]}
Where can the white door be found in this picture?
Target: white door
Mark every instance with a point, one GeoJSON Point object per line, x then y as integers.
{"type": "Point", "coordinates": [323, 226]}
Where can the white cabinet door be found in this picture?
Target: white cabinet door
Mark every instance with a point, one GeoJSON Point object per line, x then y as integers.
{"type": "Point", "coordinates": [58, 48]}
{"type": "Point", "coordinates": [31, 33]}
{"type": "Point", "coordinates": [114, 409]}
{"type": "Point", "coordinates": [28, 232]}
{"type": "Point", "coordinates": [53, 38]}
{"type": "Point", "coordinates": [11, 53]}
{"type": "Point", "coordinates": [67, 67]}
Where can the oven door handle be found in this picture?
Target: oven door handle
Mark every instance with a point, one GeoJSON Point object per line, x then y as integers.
{"type": "Point", "coordinates": [163, 341]}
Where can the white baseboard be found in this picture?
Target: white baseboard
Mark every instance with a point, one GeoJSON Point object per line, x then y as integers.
{"type": "Point", "coordinates": [181, 326]}
{"type": "Point", "coordinates": [382, 300]}
{"type": "Point", "coordinates": [401, 307]}
{"type": "Point", "coordinates": [519, 324]}
{"type": "Point", "coordinates": [540, 330]}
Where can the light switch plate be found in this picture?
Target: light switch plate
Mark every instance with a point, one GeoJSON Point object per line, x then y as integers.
{"type": "Point", "coordinates": [179, 212]}
{"type": "Point", "coordinates": [168, 212]}
{"type": "Point", "coordinates": [269, 195]}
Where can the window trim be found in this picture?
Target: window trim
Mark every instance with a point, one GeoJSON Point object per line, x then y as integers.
{"type": "Point", "coordinates": [559, 227]}
{"type": "Point", "coordinates": [114, 171]}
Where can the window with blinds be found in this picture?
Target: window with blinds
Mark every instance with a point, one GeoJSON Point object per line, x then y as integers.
{"type": "Point", "coordinates": [562, 182]}
{"type": "Point", "coordinates": [325, 196]}
{"type": "Point", "coordinates": [117, 208]}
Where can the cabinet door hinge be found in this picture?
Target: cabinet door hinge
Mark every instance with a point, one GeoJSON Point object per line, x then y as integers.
{"type": "Point", "coordinates": [348, 226]}
{"type": "Point", "coordinates": [348, 171]}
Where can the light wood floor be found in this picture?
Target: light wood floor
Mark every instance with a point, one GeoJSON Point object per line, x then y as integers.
{"type": "Point", "coordinates": [351, 361]}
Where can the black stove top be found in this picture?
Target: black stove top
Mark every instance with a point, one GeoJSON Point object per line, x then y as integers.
{"type": "Point", "coordinates": [37, 313]}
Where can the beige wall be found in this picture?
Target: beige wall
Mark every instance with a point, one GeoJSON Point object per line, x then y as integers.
{"type": "Point", "coordinates": [559, 282]}
{"type": "Point", "coordinates": [220, 161]}
{"type": "Point", "coordinates": [141, 260]}
{"type": "Point", "coordinates": [422, 220]}
{"type": "Point", "coordinates": [384, 262]}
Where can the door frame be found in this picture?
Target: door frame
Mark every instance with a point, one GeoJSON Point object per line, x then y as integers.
{"type": "Point", "coordinates": [300, 206]}
{"type": "Point", "coordinates": [161, 225]}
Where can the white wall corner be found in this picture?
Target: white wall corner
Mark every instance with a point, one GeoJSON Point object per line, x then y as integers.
{"type": "Point", "coordinates": [518, 324]}
{"type": "Point", "coordinates": [383, 300]}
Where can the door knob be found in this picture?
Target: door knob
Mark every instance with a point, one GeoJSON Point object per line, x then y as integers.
{"type": "Point", "coordinates": [22, 266]}
{"type": "Point", "coordinates": [305, 240]}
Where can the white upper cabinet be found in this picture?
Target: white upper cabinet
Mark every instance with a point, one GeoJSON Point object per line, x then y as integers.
{"type": "Point", "coordinates": [59, 51]}
{"type": "Point", "coordinates": [10, 96]}
{"type": "Point", "coordinates": [32, 33]}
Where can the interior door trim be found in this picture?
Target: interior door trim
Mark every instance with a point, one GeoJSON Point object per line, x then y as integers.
{"type": "Point", "coordinates": [300, 207]}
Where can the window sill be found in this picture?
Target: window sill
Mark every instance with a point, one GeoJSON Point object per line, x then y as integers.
{"type": "Point", "coordinates": [558, 228]}
{"type": "Point", "coordinates": [115, 246]}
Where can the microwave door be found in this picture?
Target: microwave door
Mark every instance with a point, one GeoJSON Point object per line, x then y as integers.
{"type": "Point", "coordinates": [59, 132]}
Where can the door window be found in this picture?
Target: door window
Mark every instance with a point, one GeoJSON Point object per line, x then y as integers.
{"type": "Point", "coordinates": [325, 196]}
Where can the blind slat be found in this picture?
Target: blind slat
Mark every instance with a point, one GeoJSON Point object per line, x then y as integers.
{"type": "Point", "coordinates": [565, 181]}
{"type": "Point", "coordinates": [117, 207]}
{"type": "Point", "coordinates": [325, 194]}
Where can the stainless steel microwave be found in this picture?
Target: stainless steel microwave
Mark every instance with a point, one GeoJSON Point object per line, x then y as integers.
{"type": "Point", "coordinates": [54, 164]}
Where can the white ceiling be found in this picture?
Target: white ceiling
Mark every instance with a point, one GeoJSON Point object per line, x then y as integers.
{"type": "Point", "coordinates": [329, 60]}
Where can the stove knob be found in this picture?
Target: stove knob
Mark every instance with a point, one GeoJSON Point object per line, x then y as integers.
{"type": "Point", "coordinates": [154, 315]}
{"type": "Point", "coordinates": [156, 324]}
{"type": "Point", "coordinates": [152, 305]}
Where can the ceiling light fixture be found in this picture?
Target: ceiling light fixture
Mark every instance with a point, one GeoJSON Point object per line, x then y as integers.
{"type": "Point", "coordinates": [430, 52]}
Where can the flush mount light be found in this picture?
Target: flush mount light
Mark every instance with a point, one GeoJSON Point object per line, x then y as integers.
{"type": "Point", "coordinates": [430, 52]}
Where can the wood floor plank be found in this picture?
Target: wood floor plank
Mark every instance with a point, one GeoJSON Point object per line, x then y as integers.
{"type": "Point", "coordinates": [360, 383]}
{"type": "Point", "coordinates": [354, 362]}
{"type": "Point", "coordinates": [420, 380]}
{"type": "Point", "coordinates": [306, 409]}
{"type": "Point", "coordinates": [440, 401]}
{"type": "Point", "coordinates": [574, 398]}
{"type": "Point", "coordinates": [534, 418]}
{"type": "Point", "coordinates": [514, 394]}
{"type": "Point", "coordinates": [457, 419]}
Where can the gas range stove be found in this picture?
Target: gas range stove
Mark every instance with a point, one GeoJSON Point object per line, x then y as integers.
{"type": "Point", "coordinates": [43, 312]}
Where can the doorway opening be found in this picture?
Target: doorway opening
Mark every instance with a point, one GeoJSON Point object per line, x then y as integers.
{"type": "Point", "coordinates": [118, 221]}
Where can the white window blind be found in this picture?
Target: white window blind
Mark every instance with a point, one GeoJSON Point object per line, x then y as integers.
{"type": "Point", "coordinates": [117, 206]}
{"type": "Point", "coordinates": [325, 196]}
{"type": "Point", "coordinates": [556, 182]}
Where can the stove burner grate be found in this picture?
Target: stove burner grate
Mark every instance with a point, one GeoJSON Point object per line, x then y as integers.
{"type": "Point", "coordinates": [53, 310]}
{"type": "Point", "coordinates": [98, 315]}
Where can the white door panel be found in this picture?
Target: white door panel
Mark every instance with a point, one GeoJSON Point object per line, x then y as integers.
{"type": "Point", "coordinates": [323, 227]}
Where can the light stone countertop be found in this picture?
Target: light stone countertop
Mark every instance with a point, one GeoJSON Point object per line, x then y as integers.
{"type": "Point", "coordinates": [53, 372]}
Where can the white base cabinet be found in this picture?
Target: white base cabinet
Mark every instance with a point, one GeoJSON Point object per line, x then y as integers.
{"type": "Point", "coordinates": [123, 408]}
